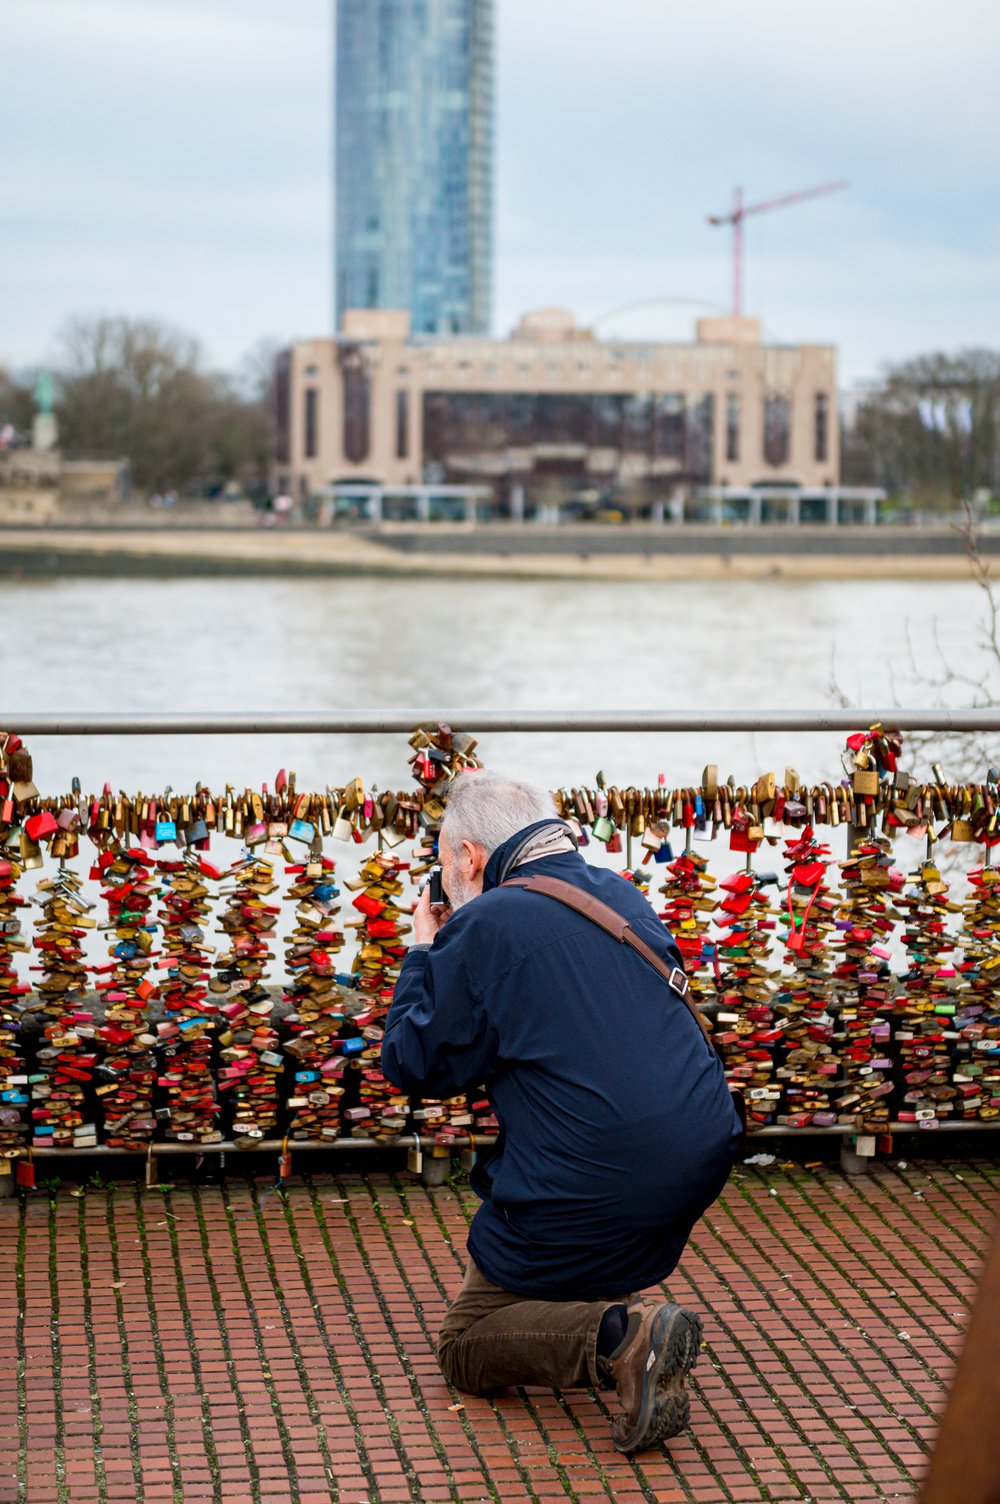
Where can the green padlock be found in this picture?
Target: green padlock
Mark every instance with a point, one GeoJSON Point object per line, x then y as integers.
{"type": "Point", "coordinates": [603, 828]}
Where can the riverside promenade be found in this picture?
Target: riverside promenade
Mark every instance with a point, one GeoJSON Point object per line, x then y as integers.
{"type": "Point", "coordinates": [241, 1343]}
{"type": "Point", "coordinates": [500, 551]}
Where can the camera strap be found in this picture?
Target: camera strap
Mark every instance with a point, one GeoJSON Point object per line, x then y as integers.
{"type": "Point", "coordinates": [617, 926]}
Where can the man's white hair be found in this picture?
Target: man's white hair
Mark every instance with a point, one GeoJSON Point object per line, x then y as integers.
{"type": "Point", "coordinates": [488, 808]}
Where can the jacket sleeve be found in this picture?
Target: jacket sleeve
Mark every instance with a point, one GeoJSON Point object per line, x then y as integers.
{"type": "Point", "coordinates": [438, 1040]}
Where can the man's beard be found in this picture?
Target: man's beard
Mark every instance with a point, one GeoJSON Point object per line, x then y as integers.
{"type": "Point", "coordinates": [460, 893]}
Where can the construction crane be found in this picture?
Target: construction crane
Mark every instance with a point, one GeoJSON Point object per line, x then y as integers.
{"type": "Point", "coordinates": [739, 213]}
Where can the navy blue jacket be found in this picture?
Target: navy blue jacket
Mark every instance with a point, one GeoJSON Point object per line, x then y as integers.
{"type": "Point", "coordinates": [616, 1125]}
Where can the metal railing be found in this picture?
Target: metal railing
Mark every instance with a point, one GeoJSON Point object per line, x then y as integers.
{"type": "Point", "coordinates": [378, 722]}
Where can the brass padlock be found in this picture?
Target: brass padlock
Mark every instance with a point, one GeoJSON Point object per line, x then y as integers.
{"type": "Point", "coordinates": [865, 782]}
{"type": "Point", "coordinates": [764, 788]}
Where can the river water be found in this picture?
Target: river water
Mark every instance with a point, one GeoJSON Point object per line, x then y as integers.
{"type": "Point", "coordinates": [255, 645]}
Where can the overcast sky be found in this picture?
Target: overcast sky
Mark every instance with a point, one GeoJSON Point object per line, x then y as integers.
{"type": "Point", "coordinates": [172, 158]}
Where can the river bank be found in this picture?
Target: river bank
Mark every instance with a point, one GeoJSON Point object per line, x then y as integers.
{"type": "Point", "coordinates": [494, 552]}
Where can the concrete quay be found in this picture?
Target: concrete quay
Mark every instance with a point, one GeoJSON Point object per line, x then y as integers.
{"type": "Point", "coordinates": [499, 550]}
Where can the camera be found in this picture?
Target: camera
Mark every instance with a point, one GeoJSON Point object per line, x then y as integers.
{"type": "Point", "coordinates": [434, 882]}
{"type": "Point", "coordinates": [436, 886]}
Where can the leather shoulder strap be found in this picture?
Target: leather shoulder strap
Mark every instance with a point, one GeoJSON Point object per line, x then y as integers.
{"type": "Point", "coordinates": [617, 926]}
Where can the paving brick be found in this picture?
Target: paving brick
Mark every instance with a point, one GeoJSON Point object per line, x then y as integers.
{"type": "Point", "coordinates": [223, 1342]}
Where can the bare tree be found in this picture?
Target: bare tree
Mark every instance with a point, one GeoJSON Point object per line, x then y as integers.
{"type": "Point", "coordinates": [930, 430]}
{"type": "Point", "coordinates": [138, 389]}
{"type": "Point", "coordinates": [965, 756]}
{"type": "Point", "coordinates": [135, 389]}
{"type": "Point", "coordinates": [16, 403]}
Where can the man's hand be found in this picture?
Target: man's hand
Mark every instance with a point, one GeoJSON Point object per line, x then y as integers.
{"type": "Point", "coordinates": [427, 920]}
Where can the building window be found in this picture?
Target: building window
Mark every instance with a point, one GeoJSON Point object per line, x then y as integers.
{"type": "Point", "coordinates": [637, 425]}
{"type": "Point", "coordinates": [605, 420]}
{"type": "Point", "coordinates": [777, 429]}
{"type": "Point", "coordinates": [670, 427]}
{"type": "Point", "coordinates": [732, 427]}
{"type": "Point", "coordinates": [402, 425]}
{"type": "Point", "coordinates": [700, 438]}
{"type": "Point", "coordinates": [312, 423]}
{"type": "Point", "coordinates": [281, 397]}
{"type": "Point", "coordinates": [586, 434]}
{"type": "Point", "coordinates": [357, 404]}
{"type": "Point", "coordinates": [822, 415]}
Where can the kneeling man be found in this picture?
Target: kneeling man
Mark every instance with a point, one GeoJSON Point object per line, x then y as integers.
{"type": "Point", "coordinates": [617, 1130]}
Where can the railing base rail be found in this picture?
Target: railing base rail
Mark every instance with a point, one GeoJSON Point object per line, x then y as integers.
{"type": "Point", "coordinates": [857, 1150]}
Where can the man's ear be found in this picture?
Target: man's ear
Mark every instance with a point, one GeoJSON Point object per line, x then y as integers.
{"type": "Point", "coordinates": [473, 860]}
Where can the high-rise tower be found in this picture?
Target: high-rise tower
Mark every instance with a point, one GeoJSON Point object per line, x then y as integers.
{"type": "Point", "coordinates": [414, 160]}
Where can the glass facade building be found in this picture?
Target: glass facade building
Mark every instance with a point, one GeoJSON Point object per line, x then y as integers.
{"type": "Point", "coordinates": [586, 436]}
{"type": "Point", "coordinates": [414, 161]}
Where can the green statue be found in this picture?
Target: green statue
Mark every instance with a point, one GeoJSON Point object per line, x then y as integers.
{"type": "Point", "coordinates": [45, 394]}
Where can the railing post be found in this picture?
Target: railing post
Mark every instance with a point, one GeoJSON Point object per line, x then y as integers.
{"type": "Point", "coordinates": [437, 1164]}
{"type": "Point", "coordinates": [856, 1158]}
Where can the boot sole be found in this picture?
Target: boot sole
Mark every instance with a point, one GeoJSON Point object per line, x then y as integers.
{"type": "Point", "coordinates": [674, 1344]}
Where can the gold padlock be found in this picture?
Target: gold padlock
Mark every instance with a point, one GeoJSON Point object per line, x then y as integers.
{"type": "Point", "coordinates": [865, 782]}
{"type": "Point", "coordinates": [764, 788]}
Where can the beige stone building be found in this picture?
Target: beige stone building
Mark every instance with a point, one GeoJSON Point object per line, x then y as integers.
{"type": "Point", "coordinates": [553, 413]}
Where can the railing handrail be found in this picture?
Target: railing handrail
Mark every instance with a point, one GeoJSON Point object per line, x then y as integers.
{"type": "Point", "coordinates": [331, 722]}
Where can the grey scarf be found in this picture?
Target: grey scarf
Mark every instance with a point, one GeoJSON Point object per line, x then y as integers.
{"type": "Point", "coordinates": [554, 838]}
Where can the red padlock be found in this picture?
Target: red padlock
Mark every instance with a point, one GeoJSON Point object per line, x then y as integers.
{"type": "Point", "coordinates": [37, 827]}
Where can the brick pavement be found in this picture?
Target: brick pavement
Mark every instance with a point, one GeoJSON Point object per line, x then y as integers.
{"type": "Point", "coordinates": [239, 1344]}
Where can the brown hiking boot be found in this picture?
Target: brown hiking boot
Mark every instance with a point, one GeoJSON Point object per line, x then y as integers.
{"type": "Point", "coordinates": [659, 1349]}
